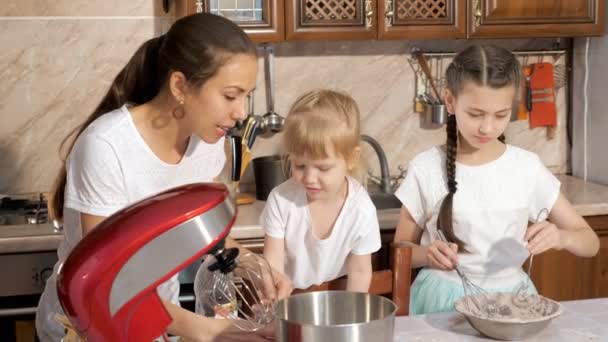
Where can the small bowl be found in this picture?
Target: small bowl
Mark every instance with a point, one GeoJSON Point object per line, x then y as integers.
{"type": "Point", "coordinates": [510, 329]}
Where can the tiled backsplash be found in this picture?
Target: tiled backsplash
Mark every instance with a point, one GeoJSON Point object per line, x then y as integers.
{"type": "Point", "coordinates": [59, 60]}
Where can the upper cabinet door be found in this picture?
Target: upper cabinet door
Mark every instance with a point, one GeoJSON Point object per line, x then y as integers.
{"type": "Point", "coordinates": [331, 19]}
{"type": "Point", "coordinates": [535, 18]}
{"type": "Point", "coordinates": [421, 19]}
{"type": "Point", "coordinates": [261, 19]}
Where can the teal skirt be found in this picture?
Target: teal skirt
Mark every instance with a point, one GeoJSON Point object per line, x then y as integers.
{"type": "Point", "coordinates": [431, 292]}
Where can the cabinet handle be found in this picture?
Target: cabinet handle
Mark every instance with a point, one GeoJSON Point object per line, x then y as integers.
{"type": "Point", "coordinates": [369, 12]}
{"type": "Point", "coordinates": [388, 13]}
{"type": "Point", "coordinates": [200, 6]}
{"type": "Point", "coordinates": [476, 13]}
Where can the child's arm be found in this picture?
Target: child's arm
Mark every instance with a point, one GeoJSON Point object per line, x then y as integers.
{"type": "Point", "coordinates": [565, 229]}
{"type": "Point", "coordinates": [274, 252]}
{"type": "Point", "coordinates": [359, 271]}
{"type": "Point", "coordinates": [437, 255]}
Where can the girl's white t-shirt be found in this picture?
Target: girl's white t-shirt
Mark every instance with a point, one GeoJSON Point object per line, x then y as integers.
{"type": "Point", "coordinates": [491, 209]}
{"type": "Point", "coordinates": [111, 167]}
{"type": "Point", "coordinates": [308, 260]}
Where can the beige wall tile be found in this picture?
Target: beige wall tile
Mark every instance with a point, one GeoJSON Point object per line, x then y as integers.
{"type": "Point", "coordinates": [81, 8]}
{"type": "Point", "coordinates": [51, 82]}
{"type": "Point", "coordinates": [56, 71]}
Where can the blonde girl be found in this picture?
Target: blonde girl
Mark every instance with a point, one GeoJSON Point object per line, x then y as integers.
{"type": "Point", "coordinates": [321, 223]}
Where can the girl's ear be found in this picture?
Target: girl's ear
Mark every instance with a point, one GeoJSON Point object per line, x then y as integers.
{"type": "Point", "coordinates": [450, 101]}
{"type": "Point", "coordinates": [353, 158]}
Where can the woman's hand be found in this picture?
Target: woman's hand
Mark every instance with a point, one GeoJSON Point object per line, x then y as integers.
{"type": "Point", "coordinates": [442, 256]}
{"type": "Point", "coordinates": [543, 236]}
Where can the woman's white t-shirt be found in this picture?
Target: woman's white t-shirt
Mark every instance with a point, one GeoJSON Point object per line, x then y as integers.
{"type": "Point", "coordinates": [109, 168]}
{"type": "Point", "coordinates": [491, 209]}
{"type": "Point", "coordinates": [308, 260]}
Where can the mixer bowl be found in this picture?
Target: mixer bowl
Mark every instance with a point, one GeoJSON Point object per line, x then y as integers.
{"type": "Point", "coordinates": [511, 328]}
{"type": "Point", "coordinates": [335, 316]}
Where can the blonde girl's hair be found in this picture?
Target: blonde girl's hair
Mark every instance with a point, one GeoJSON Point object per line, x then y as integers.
{"type": "Point", "coordinates": [324, 116]}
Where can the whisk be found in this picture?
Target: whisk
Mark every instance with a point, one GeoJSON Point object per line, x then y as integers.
{"type": "Point", "coordinates": [521, 297]}
{"type": "Point", "coordinates": [240, 288]}
{"type": "Point", "coordinates": [481, 300]}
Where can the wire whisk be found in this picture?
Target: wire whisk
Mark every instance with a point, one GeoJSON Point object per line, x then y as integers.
{"type": "Point", "coordinates": [521, 297]}
{"type": "Point", "coordinates": [246, 294]}
{"type": "Point", "coordinates": [476, 298]}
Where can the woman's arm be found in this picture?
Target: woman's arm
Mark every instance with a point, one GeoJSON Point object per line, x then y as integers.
{"type": "Point", "coordinates": [565, 229]}
{"type": "Point", "coordinates": [194, 327]}
{"type": "Point", "coordinates": [359, 271]}
{"type": "Point", "coordinates": [437, 255]}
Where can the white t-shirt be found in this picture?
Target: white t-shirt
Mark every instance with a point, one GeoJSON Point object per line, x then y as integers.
{"type": "Point", "coordinates": [491, 209]}
{"type": "Point", "coordinates": [111, 167]}
{"type": "Point", "coordinates": [310, 261]}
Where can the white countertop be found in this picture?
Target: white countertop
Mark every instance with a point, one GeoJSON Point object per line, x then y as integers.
{"type": "Point", "coordinates": [581, 320]}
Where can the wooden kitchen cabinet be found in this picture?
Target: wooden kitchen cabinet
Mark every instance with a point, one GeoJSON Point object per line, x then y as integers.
{"type": "Point", "coordinates": [263, 20]}
{"type": "Point", "coordinates": [535, 18]}
{"type": "Point", "coordinates": [562, 276]}
{"type": "Point", "coordinates": [421, 19]}
{"type": "Point", "coordinates": [278, 20]}
{"type": "Point", "coordinates": [331, 19]}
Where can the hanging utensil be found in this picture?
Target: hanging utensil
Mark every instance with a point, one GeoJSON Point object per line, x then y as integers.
{"type": "Point", "coordinates": [427, 72]}
{"type": "Point", "coordinates": [272, 122]}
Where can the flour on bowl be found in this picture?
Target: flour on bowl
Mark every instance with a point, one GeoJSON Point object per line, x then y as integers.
{"type": "Point", "coordinates": [509, 307]}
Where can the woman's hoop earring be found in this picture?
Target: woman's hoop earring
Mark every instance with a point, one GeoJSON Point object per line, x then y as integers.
{"type": "Point", "coordinates": [179, 112]}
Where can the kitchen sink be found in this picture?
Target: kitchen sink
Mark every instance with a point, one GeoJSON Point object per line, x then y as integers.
{"type": "Point", "coordinates": [385, 201]}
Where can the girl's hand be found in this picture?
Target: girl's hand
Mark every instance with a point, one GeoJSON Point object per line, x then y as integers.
{"type": "Point", "coordinates": [442, 256]}
{"type": "Point", "coordinates": [543, 236]}
{"type": "Point", "coordinates": [282, 283]}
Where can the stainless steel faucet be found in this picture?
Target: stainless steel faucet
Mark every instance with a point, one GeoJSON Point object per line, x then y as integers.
{"type": "Point", "coordinates": [385, 181]}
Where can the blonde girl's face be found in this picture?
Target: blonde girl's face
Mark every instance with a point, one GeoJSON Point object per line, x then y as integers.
{"type": "Point", "coordinates": [216, 106]}
{"type": "Point", "coordinates": [482, 112]}
{"type": "Point", "coordinates": [323, 179]}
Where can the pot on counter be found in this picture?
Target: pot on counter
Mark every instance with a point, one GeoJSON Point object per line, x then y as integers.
{"type": "Point", "coordinates": [268, 172]}
{"type": "Point", "coordinates": [335, 316]}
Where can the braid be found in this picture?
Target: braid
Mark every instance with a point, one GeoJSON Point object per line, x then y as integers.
{"type": "Point", "coordinates": [450, 161]}
{"type": "Point", "coordinates": [444, 220]}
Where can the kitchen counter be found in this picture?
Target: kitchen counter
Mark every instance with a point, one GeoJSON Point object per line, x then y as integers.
{"type": "Point", "coordinates": [581, 320]}
{"type": "Point", "coordinates": [588, 199]}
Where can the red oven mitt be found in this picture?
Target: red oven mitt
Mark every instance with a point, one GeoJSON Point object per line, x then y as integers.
{"type": "Point", "coordinates": [544, 112]}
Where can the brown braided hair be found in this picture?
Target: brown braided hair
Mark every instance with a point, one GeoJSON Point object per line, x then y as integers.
{"type": "Point", "coordinates": [486, 65]}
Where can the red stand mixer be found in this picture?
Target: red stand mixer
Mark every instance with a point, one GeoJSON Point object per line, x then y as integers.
{"type": "Point", "coordinates": [107, 285]}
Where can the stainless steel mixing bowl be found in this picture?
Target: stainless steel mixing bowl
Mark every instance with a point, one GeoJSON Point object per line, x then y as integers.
{"type": "Point", "coordinates": [335, 316]}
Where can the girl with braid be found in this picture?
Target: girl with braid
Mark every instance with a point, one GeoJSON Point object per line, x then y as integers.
{"type": "Point", "coordinates": [482, 193]}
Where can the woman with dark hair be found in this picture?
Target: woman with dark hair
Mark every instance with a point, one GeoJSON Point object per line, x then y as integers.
{"type": "Point", "coordinates": [481, 193]}
{"type": "Point", "coordinates": [161, 124]}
